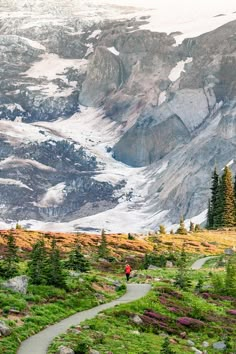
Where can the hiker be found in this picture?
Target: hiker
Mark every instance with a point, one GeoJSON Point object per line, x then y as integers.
{"type": "Point", "coordinates": [127, 271]}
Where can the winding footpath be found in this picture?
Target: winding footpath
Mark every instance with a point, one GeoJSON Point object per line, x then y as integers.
{"type": "Point", "coordinates": [200, 262]}
{"type": "Point", "coordinates": [38, 344]}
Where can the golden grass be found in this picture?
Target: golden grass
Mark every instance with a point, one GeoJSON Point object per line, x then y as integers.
{"type": "Point", "coordinates": [203, 242]}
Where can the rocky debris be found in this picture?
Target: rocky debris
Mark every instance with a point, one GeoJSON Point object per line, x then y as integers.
{"type": "Point", "coordinates": [152, 267]}
{"type": "Point", "coordinates": [136, 319]}
{"type": "Point", "coordinates": [169, 264]}
{"type": "Point", "coordinates": [17, 284]}
{"type": "Point", "coordinates": [205, 344]}
{"type": "Point", "coordinates": [219, 345]}
{"type": "Point", "coordinates": [190, 343]}
{"type": "Point", "coordinates": [4, 329]}
{"type": "Point", "coordinates": [93, 351]}
{"type": "Point", "coordinates": [196, 351]}
{"type": "Point", "coordinates": [65, 350]}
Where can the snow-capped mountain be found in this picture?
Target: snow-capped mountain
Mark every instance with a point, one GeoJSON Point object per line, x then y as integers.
{"type": "Point", "coordinates": [113, 113]}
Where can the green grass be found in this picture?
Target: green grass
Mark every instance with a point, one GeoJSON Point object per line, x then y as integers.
{"type": "Point", "coordinates": [45, 305]}
{"type": "Point", "coordinates": [114, 332]}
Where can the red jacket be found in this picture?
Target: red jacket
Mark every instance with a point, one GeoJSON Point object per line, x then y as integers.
{"type": "Point", "coordinates": [127, 269]}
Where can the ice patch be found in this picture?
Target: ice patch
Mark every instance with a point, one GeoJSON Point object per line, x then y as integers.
{"type": "Point", "coordinates": [113, 51]}
{"type": "Point", "coordinates": [162, 98]}
{"type": "Point", "coordinates": [52, 67]}
{"type": "Point", "coordinates": [95, 34]}
{"type": "Point", "coordinates": [178, 69]}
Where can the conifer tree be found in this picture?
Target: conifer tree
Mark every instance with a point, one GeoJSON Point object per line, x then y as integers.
{"type": "Point", "coordinates": [212, 208]}
{"type": "Point", "coordinates": [103, 251]}
{"type": "Point", "coordinates": [38, 265]}
{"type": "Point", "coordinates": [77, 261]}
{"type": "Point", "coordinates": [56, 275]}
{"type": "Point", "coordinates": [181, 230]}
{"type": "Point", "coordinates": [191, 228]}
{"type": "Point", "coordinates": [228, 214]}
{"type": "Point", "coordinates": [210, 219]}
{"type": "Point", "coordinates": [218, 210]}
{"type": "Point", "coordinates": [11, 258]}
{"type": "Point", "coordinates": [162, 230]}
{"type": "Point", "coordinates": [182, 279]}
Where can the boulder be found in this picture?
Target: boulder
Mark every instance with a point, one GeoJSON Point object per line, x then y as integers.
{"type": "Point", "coordinates": [219, 345]}
{"type": "Point", "coordinates": [152, 267]}
{"type": "Point", "coordinates": [136, 319]}
{"type": "Point", "coordinates": [65, 350]}
{"type": "Point", "coordinates": [93, 351]}
{"type": "Point", "coordinates": [4, 329]}
{"type": "Point", "coordinates": [169, 264]}
{"type": "Point", "coordinates": [17, 284]}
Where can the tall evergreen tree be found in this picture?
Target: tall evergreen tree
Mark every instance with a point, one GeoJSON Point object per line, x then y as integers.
{"type": "Point", "coordinates": [11, 258]}
{"type": "Point", "coordinates": [38, 265]}
{"type": "Point", "coordinates": [214, 195]}
{"type": "Point", "coordinates": [103, 250]}
{"type": "Point", "coordinates": [228, 215]}
{"type": "Point", "coordinates": [56, 275]}
{"type": "Point", "coordinates": [210, 218]}
{"type": "Point", "coordinates": [218, 210]}
{"type": "Point", "coordinates": [77, 261]}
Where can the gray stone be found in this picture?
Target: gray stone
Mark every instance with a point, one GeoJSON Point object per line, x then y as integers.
{"type": "Point", "coordinates": [205, 344]}
{"type": "Point", "coordinates": [219, 345]}
{"type": "Point", "coordinates": [136, 319]}
{"type": "Point", "coordinates": [135, 332]}
{"type": "Point", "coordinates": [93, 351]}
{"type": "Point", "coordinates": [196, 351]}
{"type": "Point", "coordinates": [190, 343]}
{"type": "Point", "coordinates": [169, 264]}
{"type": "Point", "coordinates": [4, 329]}
{"type": "Point", "coordinates": [18, 284]}
{"type": "Point", "coordinates": [65, 350]}
{"type": "Point", "coordinates": [152, 267]}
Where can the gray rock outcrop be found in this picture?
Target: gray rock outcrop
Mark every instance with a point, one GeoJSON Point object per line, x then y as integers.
{"type": "Point", "coordinates": [4, 329]}
{"type": "Point", "coordinates": [17, 284]}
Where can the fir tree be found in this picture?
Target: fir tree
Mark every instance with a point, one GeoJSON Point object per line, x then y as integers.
{"type": "Point", "coordinates": [162, 230]}
{"type": "Point", "coordinates": [181, 230]}
{"type": "Point", "coordinates": [77, 261]}
{"type": "Point", "coordinates": [212, 208]}
{"type": "Point", "coordinates": [191, 228]}
{"type": "Point", "coordinates": [228, 214]}
{"type": "Point", "coordinates": [11, 258]}
{"type": "Point", "coordinates": [210, 219]}
{"type": "Point", "coordinates": [38, 265]}
{"type": "Point", "coordinates": [56, 276]}
{"type": "Point", "coordinates": [103, 251]}
{"type": "Point", "coordinates": [182, 279]}
{"type": "Point", "coordinates": [218, 210]}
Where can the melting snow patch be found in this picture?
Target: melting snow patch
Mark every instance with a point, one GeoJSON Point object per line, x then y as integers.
{"type": "Point", "coordinates": [114, 51]}
{"type": "Point", "coordinates": [162, 98]}
{"type": "Point", "coordinates": [178, 69]}
{"type": "Point", "coordinates": [95, 34]}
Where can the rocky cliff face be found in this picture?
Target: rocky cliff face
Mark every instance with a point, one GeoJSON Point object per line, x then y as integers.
{"type": "Point", "coordinates": [159, 116]}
